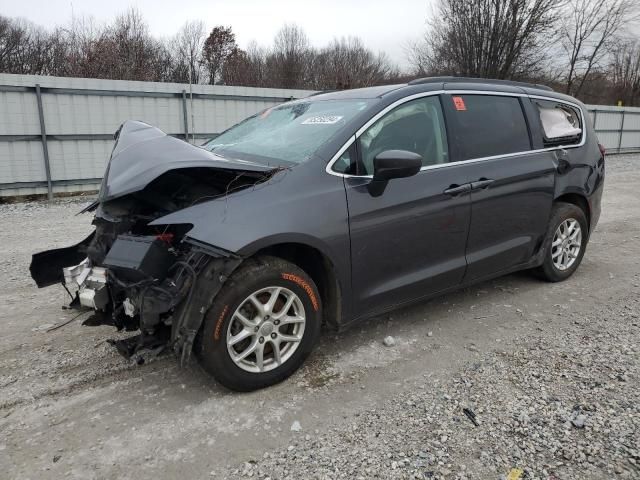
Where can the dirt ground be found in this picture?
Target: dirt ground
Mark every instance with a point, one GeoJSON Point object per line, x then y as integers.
{"type": "Point", "coordinates": [549, 370]}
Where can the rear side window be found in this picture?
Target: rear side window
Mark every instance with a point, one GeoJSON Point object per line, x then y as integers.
{"type": "Point", "coordinates": [488, 125]}
{"type": "Point", "coordinates": [561, 123]}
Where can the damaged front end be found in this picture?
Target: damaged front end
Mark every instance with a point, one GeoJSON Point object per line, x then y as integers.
{"type": "Point", "coordinates": [151, 278]}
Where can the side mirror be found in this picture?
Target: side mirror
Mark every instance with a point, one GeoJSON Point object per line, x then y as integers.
{"type": "Point", "coordinates": [392, 164]}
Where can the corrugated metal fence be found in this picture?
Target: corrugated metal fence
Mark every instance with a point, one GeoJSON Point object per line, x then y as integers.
{"type": "Point", "coordinates": [618, 128]}
{"type": "Point", "coordinates": [56, 134]}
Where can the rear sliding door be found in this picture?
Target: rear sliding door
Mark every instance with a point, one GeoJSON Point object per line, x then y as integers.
{"type": "Point", "coordinates": [512, 185]}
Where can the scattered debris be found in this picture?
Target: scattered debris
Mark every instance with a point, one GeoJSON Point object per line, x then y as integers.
{"type": "Point", "coordinates": [515, 474]}
{"type": "Point", "coordinates": [389, 341]}
{"type": "Point", "coordinates": [470, 415]}
{"type": "Point", "coordinates": [295, 426]}
{"type": "Point", "coordinates": [576, 418]}
{"type": "Point", "coordinates": [66, 322]}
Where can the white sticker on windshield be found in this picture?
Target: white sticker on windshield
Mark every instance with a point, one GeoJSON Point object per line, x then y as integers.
{"type": "Point", "coordinates": [322, 120]}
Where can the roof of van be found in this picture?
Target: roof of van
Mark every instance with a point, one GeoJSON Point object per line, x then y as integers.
{"type": "Point", "coordinates": [484, 81]}
{"type": "Point", "coordinates": [434, 83]}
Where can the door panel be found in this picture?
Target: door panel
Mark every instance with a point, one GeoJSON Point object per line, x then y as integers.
{"type": "Point", "coordinates": [410, 241]}
{"type": "Point", "coordinates": [509, 217]}
{"type": "Point", "coordinates": [513, 186]}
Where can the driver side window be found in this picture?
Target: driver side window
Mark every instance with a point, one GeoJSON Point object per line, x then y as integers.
{"type": "Point", "coordinates": [416, 126]}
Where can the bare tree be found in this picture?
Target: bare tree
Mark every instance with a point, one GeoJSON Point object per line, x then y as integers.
{"type": "Point", "coordinates": [625, 72]}
{"type": "Point", "coordinates": [218, 46]}
{"type": "Point", "coordinates": [77, 43]}
{"type": "Point", "coordinates": [347, 63]}
{"type": "Point", "coordinates": [125, 49]}
{"type": "Point", "coordinates": [187, 51]}
{"type": "Point", "coordinates": [256, 57]}
{"type": "Point", "coordinates": [289, 58]}
{"type": "Point", "coordinates": [10, 39]}
{"type": "Point", "coordinates": [487, 38]}
{"type": "Point", "coordinates": [588, 29]}
{"type": "Point", "coordinates": [25, 48]}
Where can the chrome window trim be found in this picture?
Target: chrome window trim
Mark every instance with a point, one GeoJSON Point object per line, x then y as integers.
{"type": "Point", "coordinates": [377, 116]}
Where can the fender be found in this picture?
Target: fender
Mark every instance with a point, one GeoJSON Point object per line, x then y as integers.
{"type": "Point", "coordinates": [315, 216]}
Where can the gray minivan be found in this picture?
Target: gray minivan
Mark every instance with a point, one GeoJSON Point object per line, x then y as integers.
{"type": "Point", "coordinates": [326, 210]}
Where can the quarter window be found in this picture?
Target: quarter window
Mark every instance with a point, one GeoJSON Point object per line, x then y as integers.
{"type": "Point", "coordinates": [488, 125]}
{"type": "Point", "coordinates": [346, 163]}
{"type": "Point", "coordinates": [416, 126]}
{"type": "Point", "coordinates": [561, 124]}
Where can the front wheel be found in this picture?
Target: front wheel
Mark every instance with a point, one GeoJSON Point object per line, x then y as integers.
{"type": "Point", "coordinates": [262, 325]}
{"type": "Point", "coordinates": [565, 242]}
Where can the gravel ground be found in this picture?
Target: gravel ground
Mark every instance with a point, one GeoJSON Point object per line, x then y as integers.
{"type": "Point", "coordinates": [548, 372]}
{"type": "Point", "coordinates": [564, 406]}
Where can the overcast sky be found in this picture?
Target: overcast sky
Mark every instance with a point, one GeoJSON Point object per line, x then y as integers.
{"type": "Point", "coordinates": [383, 25]}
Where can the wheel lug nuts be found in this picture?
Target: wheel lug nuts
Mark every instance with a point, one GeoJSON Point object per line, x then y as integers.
{"type": "Point", "coordinates": [257, 328]}
{"type": "Point", "coordinates": [273, 335]}
{"type": "Point", "coordinates": [261, 340]}
{"type": "Point", "coordinates": [277, 322]}
{"type": "Point", "coordinates": [266, 317]}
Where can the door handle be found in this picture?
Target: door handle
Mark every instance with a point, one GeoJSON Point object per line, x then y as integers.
{"type": "Point", "coordinates": [482, 183]}
{"type": "Point", "coordinates": [455, 189]}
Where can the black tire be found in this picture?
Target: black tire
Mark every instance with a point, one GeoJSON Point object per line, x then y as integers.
{"type": "Point", "coordinates": [560, 213]}
{"type": "Point", "coordinates": [252, 276]}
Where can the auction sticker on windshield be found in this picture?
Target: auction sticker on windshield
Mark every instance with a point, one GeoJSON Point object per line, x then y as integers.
{"type": "Point", "coordinates": [322, 120]}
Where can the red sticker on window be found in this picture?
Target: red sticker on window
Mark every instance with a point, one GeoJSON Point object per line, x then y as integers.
{"type": "Point", "coordinates": [459, 104]}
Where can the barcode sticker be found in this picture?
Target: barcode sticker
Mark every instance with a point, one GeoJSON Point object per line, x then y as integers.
{"type": "Point", "coordinates": [322, 120]}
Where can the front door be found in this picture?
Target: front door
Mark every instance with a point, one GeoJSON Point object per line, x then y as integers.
{"type": "Point", "coordinates": [409, 242]}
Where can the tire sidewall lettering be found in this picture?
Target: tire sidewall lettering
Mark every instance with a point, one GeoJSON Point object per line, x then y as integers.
{"type": "Point", "coordinates": [305, 286]}
{"type": "Point", "coordinates": [220, 322]}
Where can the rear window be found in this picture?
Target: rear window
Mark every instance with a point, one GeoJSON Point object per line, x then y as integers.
{"type": "Point", "coordinates": [489, 125]}
{"type": "Point", "coordinates": [561, 123]}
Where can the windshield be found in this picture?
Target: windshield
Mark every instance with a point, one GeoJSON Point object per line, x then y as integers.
{"type": "Point", "coordinates": [290, 132]}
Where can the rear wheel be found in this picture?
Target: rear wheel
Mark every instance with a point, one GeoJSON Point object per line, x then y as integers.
{"type": "Point", "coordinates": [565, 242]}
{"type": "Point", "coordinates": [262, 325]}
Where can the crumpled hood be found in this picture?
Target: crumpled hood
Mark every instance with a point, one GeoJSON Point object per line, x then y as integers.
{"type": "Point", "coordinates": [142, 153]}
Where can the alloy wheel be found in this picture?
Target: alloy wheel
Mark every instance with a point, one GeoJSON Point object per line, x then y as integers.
{"type": "Point", "coordinates": [266, 329]}
{"type": "Point", "coordinates": [566, 245]}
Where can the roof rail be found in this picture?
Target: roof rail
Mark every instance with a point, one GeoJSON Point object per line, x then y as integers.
{"type": "Point", "coordinates": [420, 81]}
{"type": "Point", "coordinates": [320, 92]}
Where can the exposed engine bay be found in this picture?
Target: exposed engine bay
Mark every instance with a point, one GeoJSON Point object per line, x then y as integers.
{"type": "Point", "coordinates": [136, 276]}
